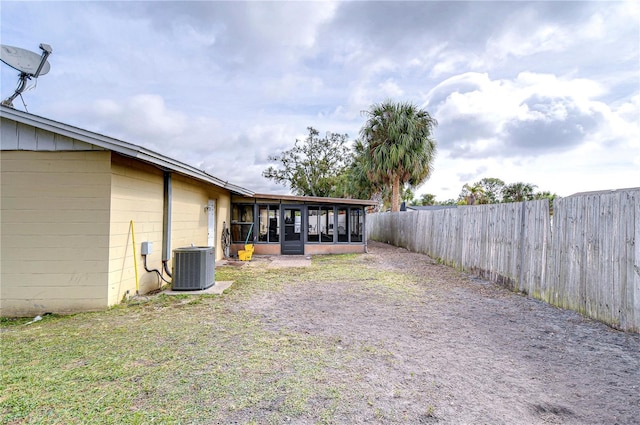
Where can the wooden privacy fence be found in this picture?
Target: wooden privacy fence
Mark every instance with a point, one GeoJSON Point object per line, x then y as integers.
{"type": "Point", "coordinates": [586, 258]}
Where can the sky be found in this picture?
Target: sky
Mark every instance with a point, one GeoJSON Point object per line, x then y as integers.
{"type": "Point", "coordinates": [546, 93]}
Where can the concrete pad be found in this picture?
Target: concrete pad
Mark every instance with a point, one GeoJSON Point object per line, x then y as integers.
{"type": "Point", "coordinates": [217, 289]}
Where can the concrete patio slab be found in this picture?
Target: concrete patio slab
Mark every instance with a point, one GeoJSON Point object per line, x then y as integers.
{"type": "Point", "coordinates": [217, 289]}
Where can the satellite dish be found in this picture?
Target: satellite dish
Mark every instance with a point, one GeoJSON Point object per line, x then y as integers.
{"type": "Point", "coordinates": [25, 61]}
{"type": "Point", "coordinates": [30, 65]}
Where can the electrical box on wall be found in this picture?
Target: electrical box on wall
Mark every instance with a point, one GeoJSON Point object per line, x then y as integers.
{"type": "Point", "coordinates": [146, 248]}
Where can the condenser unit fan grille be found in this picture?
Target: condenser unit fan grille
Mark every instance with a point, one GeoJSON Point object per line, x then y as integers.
{"type": "Point", "coordinates": [193, 268]}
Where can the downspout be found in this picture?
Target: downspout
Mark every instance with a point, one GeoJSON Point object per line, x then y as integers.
{"type": "Point", "coordinates": [166, 223]}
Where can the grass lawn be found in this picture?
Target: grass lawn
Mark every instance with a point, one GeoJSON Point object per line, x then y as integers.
{"type": "Point", "coordinates": [183, 359]}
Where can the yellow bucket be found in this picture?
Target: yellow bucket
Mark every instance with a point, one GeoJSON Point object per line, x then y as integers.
{"type": "Point", "coordinates": [246, 253]}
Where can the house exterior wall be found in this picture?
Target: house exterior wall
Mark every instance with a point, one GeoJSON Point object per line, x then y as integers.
{"type": "Point", "coordinates": [251, 213]}
{"type": "Point", "coordinates": [67, 233]}
{"type": "Point", "coordinates": [69, 207]}
{"type": "Point", "coordinates": [189, 221]}
{"type": "Point", "coordinates": [136, 196]}
{"type": "Point", "coordinates": [321, 249]}
{"type": "Point", "coordinates": [259, 249]}
{"type": "Point", "coordinates": [54, 226]}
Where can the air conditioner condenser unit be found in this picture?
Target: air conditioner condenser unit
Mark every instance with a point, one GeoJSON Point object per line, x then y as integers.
{"type": "Point", "coordinates": [193, 268]}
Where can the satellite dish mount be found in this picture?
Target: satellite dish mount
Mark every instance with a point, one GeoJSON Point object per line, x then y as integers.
{"type": "Point", "coordinates": [30, 65]}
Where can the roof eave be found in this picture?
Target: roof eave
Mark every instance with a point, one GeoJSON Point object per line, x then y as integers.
{"type": "Point", "coordinates": [119, 146]}
{"type": "Point", "coordinates": [317, 199]}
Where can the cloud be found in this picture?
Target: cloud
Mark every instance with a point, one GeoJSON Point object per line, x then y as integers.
{"type": "Point", "coordinates": [144, 117]}
{"type": "Point", "coordinates": [550, 125]}
{"type": "Point", "coordinates": [473, 175]}
{"type": "Point", "coordinates": [530, 115]}
{"type": "Point", "coordinates": [522, 90]}
{"type": "Point", "coordinates": [241, 35]}
{"type": "Point", "coordinates": [290, 84]}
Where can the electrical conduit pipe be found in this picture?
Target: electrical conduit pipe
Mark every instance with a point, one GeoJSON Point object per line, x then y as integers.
{"type": "Point", "coordinates": [135, 256]}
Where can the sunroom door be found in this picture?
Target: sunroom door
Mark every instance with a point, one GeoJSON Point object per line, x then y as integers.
{"type": "Point", "coordinates": [293, 237]}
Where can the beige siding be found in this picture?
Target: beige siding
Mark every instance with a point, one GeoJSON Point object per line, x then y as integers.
{"type": "Point", "coordinates": [54, 215]}
{"type": "Point", "coordinates": [223, 217]}
{"type": "Point", "coordinates": [67, 234]}
{"type": "Point", "coordinates": [136, 196]}
{"type": "Point", "coordinates": [189, 217]}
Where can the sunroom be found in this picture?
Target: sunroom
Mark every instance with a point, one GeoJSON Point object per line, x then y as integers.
{"type": "Point", "coordinates": [298, 225]}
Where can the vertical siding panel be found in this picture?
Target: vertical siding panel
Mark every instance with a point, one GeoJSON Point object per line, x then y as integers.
{"type": "Point", "coordinates": [27, 139]}
{"type": "Point", "coordinates": [8, 135]}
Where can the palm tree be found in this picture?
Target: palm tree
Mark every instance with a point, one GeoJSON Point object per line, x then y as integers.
{"type": "Point", "coordinates": [518, 192]}
{"type": "Point", "coordinates": [399, 147]}
{"type": "Point", "coordinates": [473, 194]}
{"type": "Point", "coordinates": [547, 195]}
{"type": "Point", "coordinates": [354, 182]}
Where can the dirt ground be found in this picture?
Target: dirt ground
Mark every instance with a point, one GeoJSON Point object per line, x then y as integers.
{"type": "Point", "coordinates": [463, 351]}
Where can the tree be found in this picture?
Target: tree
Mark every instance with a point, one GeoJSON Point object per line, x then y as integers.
{"type": "Point", "coordinates": [492, 188]}
{"type": "Point", "coordinates": [313, 166]}
{"type": "Point", "coordinates": [354, 181]}
{"type": "Point", "coordinates": [486, 191]}
{"type": "Point", "coordinates": [547, 195]}
{"type": "Point", "coordinates": [472, 195]}
{"type": "Point", "coordinates": [398, 146]}
{"type": "Point", "coordinates": [407, 194]}
{"type": "Point", "coordinates": [518, 192]}
{"type": "Point", "coordinates": [425, 199]}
